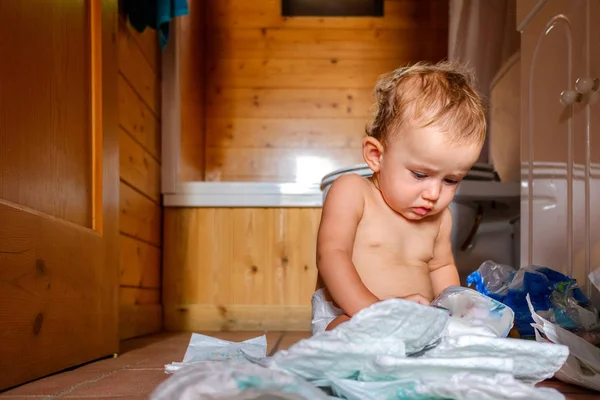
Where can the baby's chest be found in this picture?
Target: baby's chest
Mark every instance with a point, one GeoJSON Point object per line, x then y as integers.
{"type": "Point", "coordinates": [399, 238]}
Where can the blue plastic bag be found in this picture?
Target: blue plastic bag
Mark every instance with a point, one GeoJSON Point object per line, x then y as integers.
{"type": "Point", "coordinates": [548, 290]}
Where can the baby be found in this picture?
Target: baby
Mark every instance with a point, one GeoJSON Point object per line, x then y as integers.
{"type": "Point", "coordinates": [389, 236]}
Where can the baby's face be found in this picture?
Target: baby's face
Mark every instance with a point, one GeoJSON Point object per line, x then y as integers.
{"type": "Point", "coordinates": [420, 171]}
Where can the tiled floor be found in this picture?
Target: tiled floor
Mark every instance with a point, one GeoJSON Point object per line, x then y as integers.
{"type": "Point", "coordinates": [140, 368]}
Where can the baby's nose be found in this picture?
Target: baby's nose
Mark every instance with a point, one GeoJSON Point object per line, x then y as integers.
{"type": "Point", "coordinates": [432, 192]}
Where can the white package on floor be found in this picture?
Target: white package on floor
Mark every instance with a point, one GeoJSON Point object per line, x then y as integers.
{"type": "Point", "coordinates": [234, 379]}
{"type": "Point", "coordinates": [394, 349]}
{"type": "Point", "coordinates": [582, 367]}
{"type": "Point", "coordinates": [207, 348]}
{"type": "Point", "coordinates": [462, 386]}
{"type": "Point", "coordinates": [385, 328]}
{"type": "Point", "coordinates": [365, 355]}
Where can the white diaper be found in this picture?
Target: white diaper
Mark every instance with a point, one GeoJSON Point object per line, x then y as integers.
{"type": "Point", "coordinates": [323, 311]}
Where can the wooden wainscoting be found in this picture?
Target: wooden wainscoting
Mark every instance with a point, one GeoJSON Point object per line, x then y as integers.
{"type": "Point", "coordinates": [231, 269]}
{"type": "Point", "coordinates": [140, 200]}
{"type": "Point", "coordinates": [261, 94]}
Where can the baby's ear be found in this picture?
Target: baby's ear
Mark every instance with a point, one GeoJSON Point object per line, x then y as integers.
{"type": "Point", "coordinates": [372, 153]}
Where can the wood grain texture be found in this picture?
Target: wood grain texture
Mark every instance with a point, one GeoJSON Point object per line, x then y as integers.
{"type": "Point", "coordinates": [318, 43]}
{"type": "Point", "coordinates": [135, 321]}
{"type": "Point", "coordinates": [139, 264]}
{"type": "Point", "coordinates": [289, 103]}
{"type": "Point", "coordinates": [298, 74]}
{"type": "Point", "coordinates": [49, 267]}
{"type": "Point", "coordinates": [46, 89]}
{"type": "Point", "coordinates": [58, 129]}
{"type": "Point", "coordinates": [253, 262]}
{"type": "Point", "coordinates": [138, 120]}
{"type": "Point", "coordinates": [138, 296]}
{"type": "Point", "coordinates": [277, 164]}
{"type": "Point", "coordinates": [137, 71]}
{"type": "Point", "coordinates": [399, 14]}
{"type": "Point", "coordinates": [252, 64]}
{"type": "Point", "coordinates": [284, 133]}
{"type": "Point", "coordinates": [147, 42]}
{"type": "Point", "coordinates": [193, 79]}
{"type": "Point", "coordinates": [140, 217]}
{"type": "Point", "coordinates": [138, 168]}
{"type": "Point", "coordinates": [140, 174]}
{"type": "Point", "coordinates": [210, 318]}
{"type": "Point", "coordinates": [140, 312]}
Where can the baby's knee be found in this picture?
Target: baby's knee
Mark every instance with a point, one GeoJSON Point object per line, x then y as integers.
{"type": "Point", "coordinates": [337, 321]}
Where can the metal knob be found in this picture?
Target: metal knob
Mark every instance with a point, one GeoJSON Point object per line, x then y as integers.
{"type": "Point", "coordinates": [586, 85]}
{"type": "Point", "coordinates": [569, 97]}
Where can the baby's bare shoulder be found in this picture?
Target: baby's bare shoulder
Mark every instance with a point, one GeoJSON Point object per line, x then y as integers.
{"type": "Point", "coordinates": [351, 182]}
{"type": "Point", "coordinates": [345, 198]}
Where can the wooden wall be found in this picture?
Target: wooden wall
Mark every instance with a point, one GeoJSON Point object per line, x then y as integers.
{"type": "Point", "coordinates": [264, 94]}
{"type": "Point", "coordinates": [239, 269]}
{"type": "Point", "coordinates": [140, 200]}
{"type": "Point", "coordinates": [261, 96]}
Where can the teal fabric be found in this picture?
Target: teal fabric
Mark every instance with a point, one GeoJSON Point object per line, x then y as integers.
{"type": "Point", "coordinates": [155, 14]}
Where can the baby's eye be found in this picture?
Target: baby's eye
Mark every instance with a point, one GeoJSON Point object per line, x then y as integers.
{"type": "Point", "coordinates": [451, 181]}
{"type": "Point", "coordinates": [418, 175]}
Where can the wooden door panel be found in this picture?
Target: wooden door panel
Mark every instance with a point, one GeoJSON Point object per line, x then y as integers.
{"type": "Point", "coordinates": [58, 186]}
{"type": "Point", "coordinates": [45, 90]}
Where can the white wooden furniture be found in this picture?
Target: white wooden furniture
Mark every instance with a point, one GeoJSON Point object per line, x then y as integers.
{"type": "Point", "coordinates": [560, 135]}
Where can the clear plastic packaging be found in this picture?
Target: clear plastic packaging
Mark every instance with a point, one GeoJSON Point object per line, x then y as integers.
{"type": "Point", "coordinates": [553, 295]}
{"type": "Point", "coordinates": [493, 278]}
{"type": "Point", "coordinates": [479, 311]}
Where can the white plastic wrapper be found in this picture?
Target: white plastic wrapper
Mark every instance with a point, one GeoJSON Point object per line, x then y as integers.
{"type": "Point", "coordinates": [394, 349]}
{"type": "Point", "coordinates": [207, 348]}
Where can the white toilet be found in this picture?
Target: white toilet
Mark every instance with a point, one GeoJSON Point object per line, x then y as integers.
{"type": "Point", "coordinates": [485, 215]}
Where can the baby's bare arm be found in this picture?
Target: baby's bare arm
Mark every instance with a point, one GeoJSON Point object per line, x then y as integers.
{"type": "Point", "coordinates": [342, 211]}
{"type": "Point", "coordinates": [442, 267]}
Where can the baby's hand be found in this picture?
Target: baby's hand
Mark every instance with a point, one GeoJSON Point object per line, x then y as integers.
{"type": "Point", "coordinates": [417, 298]}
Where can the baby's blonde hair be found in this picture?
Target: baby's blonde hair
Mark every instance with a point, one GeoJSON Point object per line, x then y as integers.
{"type": "Point", "coordinates": [440, 95]}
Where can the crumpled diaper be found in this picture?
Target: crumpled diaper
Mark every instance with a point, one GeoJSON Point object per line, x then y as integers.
{"type": "Point", "coordinates": [234, 379]}
{"type": "Point", "coordinates": [394, 349]}
{"type": "Point", "coordinates": [323, 312]}
{"type": "Point", "coordinates": [401, 349]}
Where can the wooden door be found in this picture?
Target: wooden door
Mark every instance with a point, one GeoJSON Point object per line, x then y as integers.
{"type": "Point", "coordinates": [552, 56]}
{"type": "Point", "coordinates": [58, 186]}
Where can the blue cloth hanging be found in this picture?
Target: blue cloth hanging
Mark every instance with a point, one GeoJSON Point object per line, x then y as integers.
{"type": "Point", "coordinates": [156, 14]}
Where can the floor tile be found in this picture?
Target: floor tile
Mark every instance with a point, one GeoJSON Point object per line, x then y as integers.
{"type": "Point", "coordinates": [571, 392]}
{"type": "Point", "coordinates": [108, 397]}
{"type": "Point", "coordinates": [54, 384]}
{"type": "Point", "coordinates": [122, 383]}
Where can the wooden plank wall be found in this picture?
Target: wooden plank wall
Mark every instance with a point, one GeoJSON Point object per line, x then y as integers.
{"type": "Point", "coordinates": [140, 200]}
{"type": "Point", "coordinates": [263, 95]}
{"type": "Point", "coordinates": [284, 93]}
{"type": "Point", "coordinates": [238, 268]}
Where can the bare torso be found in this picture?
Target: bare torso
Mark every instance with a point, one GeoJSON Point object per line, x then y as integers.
{"type": "Point", "coordinates": [391, 254]}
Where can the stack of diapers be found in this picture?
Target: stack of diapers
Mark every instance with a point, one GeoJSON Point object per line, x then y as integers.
{"type": "Point", "coordinates": [397, 349]}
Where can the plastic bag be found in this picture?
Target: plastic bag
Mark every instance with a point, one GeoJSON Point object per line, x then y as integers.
{"type": "Point", "coordinates": [570, 313]}
{"type": "Point", "coordinates": [492, 279]}
{"type": "Point", "coordinates": [478, 311]}
{"type": "Point", "coordinates": [553, 295]}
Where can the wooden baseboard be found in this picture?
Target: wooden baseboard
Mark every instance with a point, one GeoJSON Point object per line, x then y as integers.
{"type": "Point", "coordinates": [139, 320]}
{"type": "Point", "coordinates": [205, 317]}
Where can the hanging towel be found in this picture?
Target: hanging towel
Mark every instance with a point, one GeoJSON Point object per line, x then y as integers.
{"type": "Point", "coordinates": [156, 14]}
